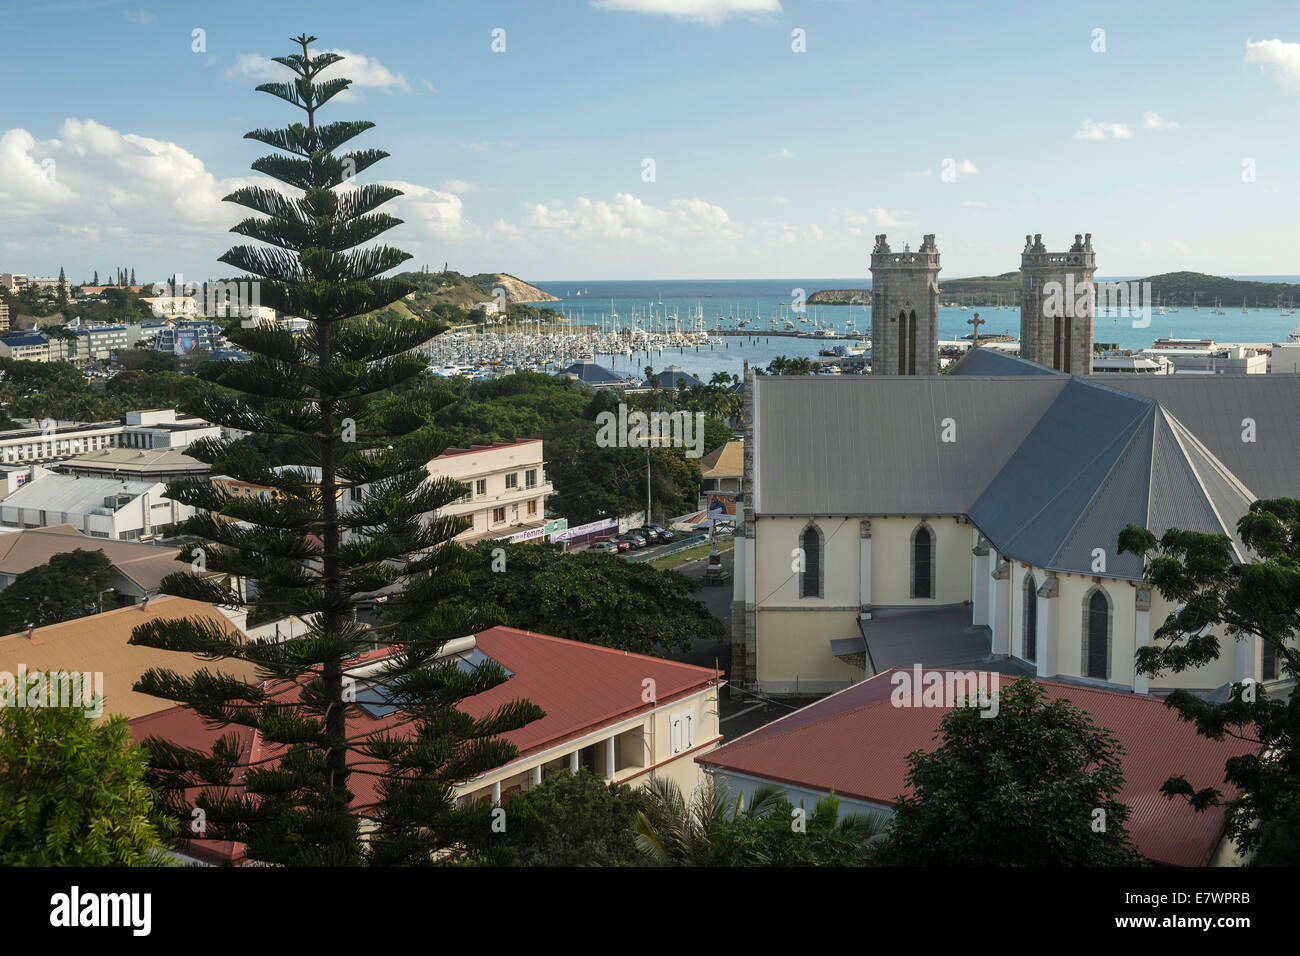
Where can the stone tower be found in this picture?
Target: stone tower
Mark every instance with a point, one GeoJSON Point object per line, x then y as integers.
{"type": "Point", "coordinates": [905, 310]}
{"type": "Point", "coordinates": [1057, 301]}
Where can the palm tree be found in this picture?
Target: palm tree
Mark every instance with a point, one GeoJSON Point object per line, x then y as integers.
{"type": "Point", "coordinates": [674, 831]}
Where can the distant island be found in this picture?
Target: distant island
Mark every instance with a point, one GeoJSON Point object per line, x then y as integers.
{"type": "Point", "coordinates": [1170, 288]}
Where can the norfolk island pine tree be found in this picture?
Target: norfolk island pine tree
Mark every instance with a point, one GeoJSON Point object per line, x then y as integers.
{"type": "Point", "coordinates": [309, 556]}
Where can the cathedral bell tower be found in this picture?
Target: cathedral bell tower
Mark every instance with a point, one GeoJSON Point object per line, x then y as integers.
{"type": "Point", "coordinates": [905, 309]}
{"type": "Point", "coordinates": [1057, 301]}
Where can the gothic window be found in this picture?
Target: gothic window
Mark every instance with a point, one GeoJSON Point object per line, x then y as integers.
{"type": "Point", "coordinates": [1269, 668]}
{"type": "Point", "coordinates": [902, 343]}
{"type": "Point", "coordinates": [1029, 645]}
{"type": "Point", "coordinates": [1065, 360]}
{"type": "Point", "coordinates": [1056, 342]}
{"type": "Point", "coordinates": [923, 561]}
{"type": "Point", "coordinates": [1096, 634]}
{"type": "Point", "coordinates": [810, 580]}
{"type": "Point", "coordinates": [911, 344]}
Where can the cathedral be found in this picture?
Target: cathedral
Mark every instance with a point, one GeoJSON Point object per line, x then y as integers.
{"type": "Point", "coordinates": [972, 518]}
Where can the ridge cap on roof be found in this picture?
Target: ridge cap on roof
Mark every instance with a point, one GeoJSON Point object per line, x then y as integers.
{"type": "Point", "coordinates": [1136, 427]}
{"type": "Point", "coordinates": [130, 608]}
{"type": "Point", "coordinates": [1126, 432]}
{"type": "Point", "coordinates": [709, 671]}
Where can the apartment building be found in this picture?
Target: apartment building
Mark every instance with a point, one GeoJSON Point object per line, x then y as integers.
{"type": "Point", "coordinates": [185, 337]}
{"type": "Point", "coordinates": [507, 487]}
{"type": "Point", "coordinates": [99, 342]}
{"type": "Point", "coordinates": [4, 316]}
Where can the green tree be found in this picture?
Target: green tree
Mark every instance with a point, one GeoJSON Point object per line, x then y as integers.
{"type": "Point", "coordinates": [594, 598]}
{"type": "Point", "coordinates": [1021, 789]}
{"type": "Point", "coordinates": [570, 819]}
{"type": "Point", "coordinates": [351, 517]}
{"type": "Point", "coordinates": [72, 792]}
{"type": "Point", "coordinates": [1216, 593]}
{"type": "Point", "coordinates": [68, 586]}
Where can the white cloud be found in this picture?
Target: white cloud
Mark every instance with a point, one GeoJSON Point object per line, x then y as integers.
{"type": "Point", "coordinates": [628, 217]}
{"type": "Point", "coordinates": [429, 86]}
{"type": "Point", "coordinates": [781, 199]}
{"type": "Point", "coordinates": [438, 213]}
{"type": "Point", "coordinates": [873, 218]}
{"type": "Point", "coordinates": [966, 168]}
{"type": "Point", "coordinates": [461, 186]}
{"type": "Point", "coordinates": [1091, 130]}
{"type": "Point", "coordinates": [700, 11]}
{"type": "Point", "coordinates": [143, 17]}
{"type": "Point", "coordinates": [1153, 120]}
{"type": "Point", "coordinates": [1283, 57]}
{"type": "Point", "coordinates": [784, 153]}
{"type": "Point", "coordinates": [974, 203]}
{"type": "Point", "coordinates": [110, 189]}
{"type": "Point", "coordinates": [365, 72]}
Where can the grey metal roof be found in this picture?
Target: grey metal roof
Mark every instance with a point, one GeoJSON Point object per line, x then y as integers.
{"type": "Point", "coordinates": [994, 362]}
{"type": "Point", "coordinates": [929, 636]}
{"type": "Point", "coordinates": [1050, 467]}
{"type": "Point", "coordinates": [591, 373]}
{"type": "Point", "coordinates": [1098, 460]}
{"type": "Point", "coordinates": [873, 445]}
{"type": "Point", "coordinates": [1214, 407]}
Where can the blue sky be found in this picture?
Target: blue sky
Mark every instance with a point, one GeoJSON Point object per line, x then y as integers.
{"type": "Point", "coordinates": [119, 139]}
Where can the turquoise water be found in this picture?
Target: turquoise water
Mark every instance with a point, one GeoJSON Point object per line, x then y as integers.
{"type": "Point", "coordinates": [725, 302]}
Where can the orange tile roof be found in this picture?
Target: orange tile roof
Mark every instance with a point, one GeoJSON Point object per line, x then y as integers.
{"type": "Point", "coordinates": [856, 743]}
{"type": "Point", "coordinates": [98, 643]}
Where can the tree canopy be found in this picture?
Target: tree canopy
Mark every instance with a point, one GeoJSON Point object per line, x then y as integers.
{"type": "Point", "coordinates": [1219, 597]}
{"type": "Point", "coordinates": [1037, 785]}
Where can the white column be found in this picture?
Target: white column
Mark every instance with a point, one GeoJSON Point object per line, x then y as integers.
{"type": "Point", "coordinates": [999, 603]}
{"type": "Point", "coordinates": [609, 758]}
{"type": "Point", "coordinates": [1048, 627]}
{"type": "Point", "coordinates": [537, 776]}
{"type": "Point", "coordinates": [864, 567]}
{"type": "Point", "coordinates": [496, 794]}
{"type": "Point", "coordinates": [573, 762]}
{"type": "Point", "coordinates": [979, 581]}
{"type": "Point", "coordinates": [1243, 658]}
{"type": "Point", "coordinates": [1141, 636]}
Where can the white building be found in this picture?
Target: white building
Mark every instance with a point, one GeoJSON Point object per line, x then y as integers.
{"type": "Point", "coordinates": [151, 429]}
{"type": "Point", "coordinates": [98, 507]}
{"type": "Point", "coordinates": [507, 485]}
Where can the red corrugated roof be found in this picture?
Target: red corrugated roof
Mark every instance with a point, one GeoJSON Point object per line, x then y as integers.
{"type": "Point", "coordinates": [580, 686]}
{"type": "Point", "coordinates": [856, 743]}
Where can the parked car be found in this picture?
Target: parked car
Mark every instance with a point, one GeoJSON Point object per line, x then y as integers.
{"type": "Point", "coordinates": [622, 542]}
{"type": "Point", "coordinates": [661, 534]}
{"type": "Point", "coordinates": [635, 542]}
{"type": "Point", "coordinates": [606, 546]}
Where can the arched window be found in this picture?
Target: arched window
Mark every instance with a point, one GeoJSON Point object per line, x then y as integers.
{"type": "Point", "coordinates": [1029, 644]}
{"type": "Point", "coordinates": [923, 561]}
{"type": "Point", "coordinates": [1096, 634]}
{"type": "Point", "coordinates": [902, 343]}
{"type": "Point", "coordinates": [911, 344]}
{"type": "Point", "coordinates": [810, 580]}
{"type": "Point", "coordinates": [1269, 660]}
